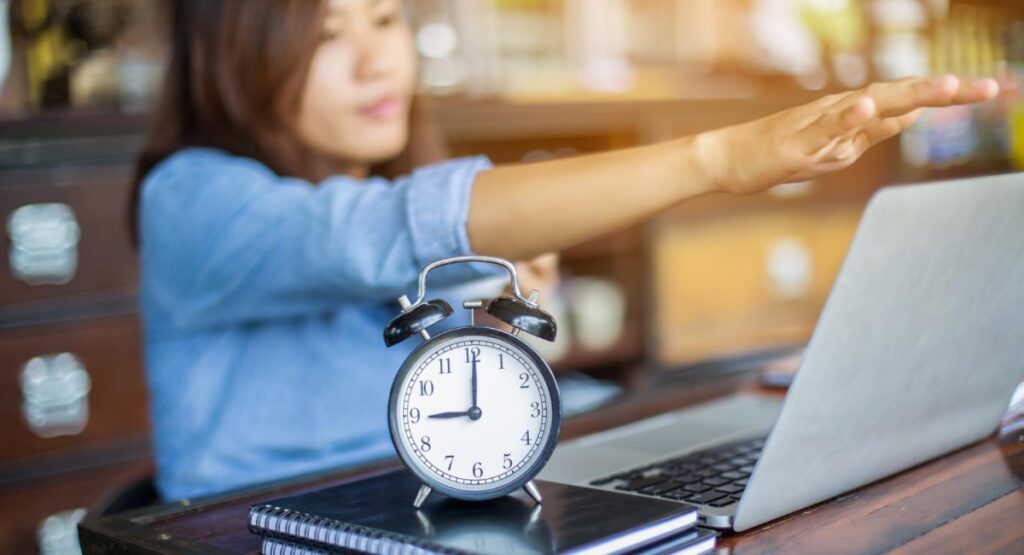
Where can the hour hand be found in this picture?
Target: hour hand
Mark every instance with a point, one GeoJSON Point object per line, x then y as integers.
{"type": "Point", "coordinates": [450, 414]}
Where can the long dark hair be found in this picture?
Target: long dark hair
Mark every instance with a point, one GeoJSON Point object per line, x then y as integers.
{"type": "Point", "coordinates": [234, 81]}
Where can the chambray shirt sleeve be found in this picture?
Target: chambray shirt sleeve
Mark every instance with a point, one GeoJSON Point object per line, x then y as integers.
{"type": "Point", "coordinates": [226, 241]}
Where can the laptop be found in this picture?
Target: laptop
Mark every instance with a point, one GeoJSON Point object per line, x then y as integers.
{"type": "Point", "coordinates": [916, 353]}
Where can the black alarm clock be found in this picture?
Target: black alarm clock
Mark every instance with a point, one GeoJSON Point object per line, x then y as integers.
{"type": "Point", "coordinates": [474, 411]}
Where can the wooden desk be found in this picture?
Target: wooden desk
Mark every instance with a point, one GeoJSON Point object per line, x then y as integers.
{"type": "Point", "coordinates": [969, 501]}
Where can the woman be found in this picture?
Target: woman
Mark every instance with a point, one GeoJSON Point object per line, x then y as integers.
{"type": "Point", "coordinates": [280, 214]}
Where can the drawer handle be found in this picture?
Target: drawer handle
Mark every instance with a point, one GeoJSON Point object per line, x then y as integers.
{"type": "Point", "coordinates": [55, 395]}
{"type": "Point", "coordinates": [58, 533]}
{"type": "Point", "coordinates": [44, 243]}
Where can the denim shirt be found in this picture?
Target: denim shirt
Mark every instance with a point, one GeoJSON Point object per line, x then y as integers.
{"type": "Point", "coordinates": [264, 302]}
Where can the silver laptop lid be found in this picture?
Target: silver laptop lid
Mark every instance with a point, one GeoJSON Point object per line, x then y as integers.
{"type": "Point", "coordinates": [917, 349]}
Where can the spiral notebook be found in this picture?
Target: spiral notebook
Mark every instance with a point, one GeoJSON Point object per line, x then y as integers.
{"type": "Point", "coordinates": [375, 515]}
{"type": "Point", "coordinates": [697, 541]}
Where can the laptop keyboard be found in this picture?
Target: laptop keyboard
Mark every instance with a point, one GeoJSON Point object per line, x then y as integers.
{"type": "Point", "coordinates": [715, 477]}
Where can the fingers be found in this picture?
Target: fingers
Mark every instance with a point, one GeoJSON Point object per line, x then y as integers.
{"type": "Point", "coordinates": [900, 97]}
{"type": "Point", "coordinates": [870, 110]}
{"type": "Point", "coordinates": [886, 128]}
{"type": "Point", "coordinates": [546, 260]}
{"type": "Point", "coordinates": [837, 121]}
{"type": "Point", "coordinates": [541, 273]}
{"type": "Point", "coordinates": [847, 149]}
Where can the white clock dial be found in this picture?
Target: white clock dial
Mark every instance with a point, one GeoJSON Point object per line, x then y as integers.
{"type": "Point", "coordinates": [467, 445]}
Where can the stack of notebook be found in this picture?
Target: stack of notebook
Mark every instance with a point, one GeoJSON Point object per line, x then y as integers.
{"type": "Point", "coordinates": [375, 515]}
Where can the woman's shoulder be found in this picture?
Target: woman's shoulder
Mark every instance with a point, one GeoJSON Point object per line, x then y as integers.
{"type": "Point", "coordinates": [201, 174]}
{"type": "Point", "coordinates": [205, 161]}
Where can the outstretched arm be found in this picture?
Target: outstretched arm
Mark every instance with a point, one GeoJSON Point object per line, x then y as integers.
{"type": "Point", "coordinates": [521, 211]}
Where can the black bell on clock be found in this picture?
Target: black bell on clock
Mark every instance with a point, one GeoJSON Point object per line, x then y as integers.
{"type": "Point", "coordinates": [519, 312]}
{"type": "Point", "coordinates": [523, 315]}
{"type": "Point", "coordinates": [416, 320]}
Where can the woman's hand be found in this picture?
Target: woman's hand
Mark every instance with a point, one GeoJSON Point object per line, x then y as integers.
{"type": "Point", "coordinates": [828, 134]}
{"type": "Point", "coordinates": [540, 273]}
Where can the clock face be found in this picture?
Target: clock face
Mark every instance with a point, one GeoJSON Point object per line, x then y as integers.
{"type": "Point", "coordinates": [474, 444]}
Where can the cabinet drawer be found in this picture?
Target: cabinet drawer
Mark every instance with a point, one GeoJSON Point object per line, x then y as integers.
{"type": "Point", "coordinates": [64, 232]}
{"type": "Point", "coordinates": [41, 517]}
{"type": "Point", "coordinates": [755, 280]}
{"type": "Point", "coordinates": [67, 385]}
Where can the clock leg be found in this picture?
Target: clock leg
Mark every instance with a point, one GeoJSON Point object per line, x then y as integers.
{"type": "Point", "coordinates": [421, 496]}
{"type": "Point", "coordinates": [532, 491]}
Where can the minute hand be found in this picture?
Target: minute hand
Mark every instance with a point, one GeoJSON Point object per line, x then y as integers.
{"type": "Point", "coordinates": [474, 382]}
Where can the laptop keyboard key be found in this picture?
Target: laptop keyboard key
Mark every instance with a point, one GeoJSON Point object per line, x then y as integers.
{"type": "Point", "coordinates": [696, 488]}
{"type": "Point", "coordinates": [642, 483]}
{"type": "Point", "coordinates": [661, 488]}
{"type": "Point", "coordinates": [679, 494]}
{"type": "Point", "coordinates": [723, 502]}
{"type": "Point", "coordinates": [627, 476]}
{"type": "Point", "coordinates": [715, 481]}
{"type": "Point", "coordinates": [705, 498]}
{"type": "Point", "coordinates": [735, 475]}
{"type": "Point", "coordinates": [729, 488]}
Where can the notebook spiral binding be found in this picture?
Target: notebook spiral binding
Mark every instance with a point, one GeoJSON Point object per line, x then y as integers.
{"type": "Point", "coordinates": [270, 521]}
{"type": "Point", "coordinates": [272, 546]}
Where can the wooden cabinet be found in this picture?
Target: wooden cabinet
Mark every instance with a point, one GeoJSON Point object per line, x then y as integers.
{"type": "Point", "coordinates": [73, 405]}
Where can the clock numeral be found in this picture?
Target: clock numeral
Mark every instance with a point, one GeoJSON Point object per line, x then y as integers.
{"type": "Point", "coordinates": [506, 463]}
{"type": "Point", "coordinates": [450, 459]}
{"type": "Point", "coordinates": [414, 414]}
{"type": "Point", "coordinates": [501, 361]}
{"type": "Point", "coordinates": [446, 365]}
{"type": "Point", "coordinates": [425, 443]}
{"type": "Point", "coordinates": [526, 379]}
{"type": "Point", "coordinates": [478, 470]}
{"type": "Point", "coordinates": [426, 388]}
{"type": "Point", "coordinates": [535, 409]}
{"type": "Point", "coordinates": [526, 438]}
{"type": "Point", "coordinates": [472, 354]}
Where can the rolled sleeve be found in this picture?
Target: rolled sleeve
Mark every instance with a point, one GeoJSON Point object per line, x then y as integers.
{"type": "Point", "coordinates": [260, 246]}
{"type": "Point", "coordinates": [438, 208]}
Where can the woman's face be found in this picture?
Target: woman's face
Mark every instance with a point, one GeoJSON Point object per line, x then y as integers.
{"type": "Point", "coordinates": [355, 105]}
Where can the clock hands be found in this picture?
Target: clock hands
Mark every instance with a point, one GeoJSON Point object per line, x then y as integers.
{"type": "Point", "coordinates": [474, 381]}
{"type": "Point", "coordinates": [474, 412]}
{"type": "Point", "coordinates": [455, 414]}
